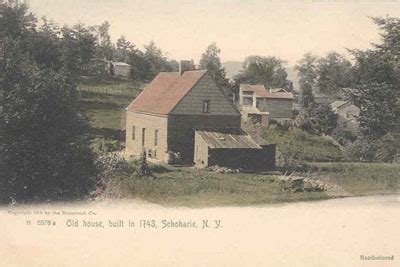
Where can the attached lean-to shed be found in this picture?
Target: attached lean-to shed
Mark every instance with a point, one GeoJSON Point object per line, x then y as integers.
{"type": "Point", "coordinates": [232, 148]}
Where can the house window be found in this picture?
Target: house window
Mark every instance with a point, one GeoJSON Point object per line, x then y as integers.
{"type": "Point", "coordinates": [247, 101]}
{"type": "Point", "coordinates": [206, 106]}
{"type": "Point", "coordinates": [143, 136]}
{"type": "Point", "coordinates": [348, 114]}
{"type": "Point", "coordinates": [133, 132]}
{"type": "Point", "coordinates": [156, 138]}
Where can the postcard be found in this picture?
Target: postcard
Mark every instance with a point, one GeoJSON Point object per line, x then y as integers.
{"type": "Point", "coordinates": [199, 133]}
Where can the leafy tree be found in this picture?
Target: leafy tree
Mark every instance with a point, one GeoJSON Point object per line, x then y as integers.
{"type": "Point", "coordinates": [379, 108]}
{"type": "Point", "coordinates": [322, 119]}
{"type": "Point", "coordinates": [334, 73]}
{"type": "Point", "coordinates": [377, 93]}
{"type": "Point", "coordinates": [44, 152]}
{"type": "Point", "coordinates": [124, 49]}
{"type": "Point", "coordinates": [268, 71]}
{"type": "Point", "coordinates": [377, 88]}
{"type": "Point", "coordinates": [77, 49]}
{"type": "Point", "coordinates": [307, 73]}
{"type": "Point", "coordinates": [211, 62]}
{"type": "Point", "coordinates": [156, 62]}
{"type": "Point", "coordinates": [105, 48]}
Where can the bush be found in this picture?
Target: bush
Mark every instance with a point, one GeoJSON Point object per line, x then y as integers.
{"type": "Point", "coordinates": [388, 148]}
{"type": "Point", "coordinates": [384, 149]}
{"type": "Point", "coordinates": [345, 138]}
{"type": "Point", "coordinates": [297, 146]}
{"type": "Point", "coordinates": [102, 145]}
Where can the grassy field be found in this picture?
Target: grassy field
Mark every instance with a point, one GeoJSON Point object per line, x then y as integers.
{"type": "Point", "coordinates": [185, 186]}
{"type": "Point", "coordinates": [359, 179]}
{"type": "Point", "coordinates": [104, 102]}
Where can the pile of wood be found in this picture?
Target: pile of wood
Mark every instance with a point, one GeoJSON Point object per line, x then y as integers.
{"type": "Point", "coordinates": [301, 184]}
{"type": "Point", "coordinates": [220, 169]}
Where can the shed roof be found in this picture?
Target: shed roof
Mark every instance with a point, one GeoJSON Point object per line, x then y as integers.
{"type": "Point", "coordinates": [227, 138]}
{"type": "Point", "coordinates": [267, 94]}
{"type": "Point", "coordinates": [162, 94]}
{"type": "Point", "coordinates": [120, 64]}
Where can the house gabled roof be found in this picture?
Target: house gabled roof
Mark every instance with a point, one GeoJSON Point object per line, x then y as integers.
{"type": "Point", "coordinates": [261, 92]}
{"type": "Point", "coordinates": [167, 89]}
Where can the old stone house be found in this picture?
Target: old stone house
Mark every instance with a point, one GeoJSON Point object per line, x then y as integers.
{"type": "Point", "coordinates": [165, 115]}
{"type": "Point", "coordinates": [258, 104]}
{"type": "Point", "coordinates": [347, 115]}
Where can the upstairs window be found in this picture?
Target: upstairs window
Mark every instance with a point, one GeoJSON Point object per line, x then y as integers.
{"type": "Point", "coordinates": [206, 106]}
{"type": "Point", "coordinates": [247, 101]}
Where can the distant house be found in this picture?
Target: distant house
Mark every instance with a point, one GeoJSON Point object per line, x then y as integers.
{"type": "Point", "coordinates": [175, 111]}
{"type": "Point", "coordinates": [258, 104]}
{"type": "Point", "coordinates": [347, 115]}
{"type": "Point", "coordinates": [120, 69]}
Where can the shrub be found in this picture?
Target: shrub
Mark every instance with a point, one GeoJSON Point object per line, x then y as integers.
{"type": "Point", "coordinates": [142, 168]}
{"type": "Point", "coordinates": [296, 146]}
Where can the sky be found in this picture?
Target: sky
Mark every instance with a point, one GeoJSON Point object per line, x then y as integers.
{"type": "Point", "coordinates": [184, 28]}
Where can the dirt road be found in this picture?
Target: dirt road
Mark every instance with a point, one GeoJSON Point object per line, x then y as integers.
{"type": "Point", "coordinates": [327, 233]}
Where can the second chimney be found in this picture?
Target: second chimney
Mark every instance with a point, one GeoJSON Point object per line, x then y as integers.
{"type": "Point", "coordinates": [185, 65]}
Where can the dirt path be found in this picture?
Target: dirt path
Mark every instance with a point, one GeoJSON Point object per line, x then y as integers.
{"type": "Point", "coordinates": [326, 233]}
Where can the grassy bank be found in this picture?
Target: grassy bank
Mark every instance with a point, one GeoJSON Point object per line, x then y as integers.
{"type": "Point", "coordinates": [184, 186]}
{"type": "Point", "coordinates": [359, 179]}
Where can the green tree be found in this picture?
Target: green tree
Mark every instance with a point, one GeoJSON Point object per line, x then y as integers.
{"type": "Point", "coordinates": [322, 119]}
{"type": "Point", "coordinates": [307, 73]}
{"type": "Point", "coordinates": [77, 45]}
{"type": "Point", "coordinates": [268, 71]}
{"type": "Point", "coordinates": [156, 62]}
{"type": "Point", "coordinates": [377, 93]}
{"type": "Point", "coordinates": [377, 86]}
{"type": "Point", "coordinates": [124, 49]}
{"type": "Point", "coordinates": [44, 152]}
{"type": "Point", "coordinates": [105, 47]}
{"type": "Point", "coordinates": [333, 73]}
{"type": "Point", "coordinates": [211, 62]}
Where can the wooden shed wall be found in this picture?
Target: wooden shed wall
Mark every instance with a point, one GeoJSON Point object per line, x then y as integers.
{"type": "Point", "coordinates": [181, 130]}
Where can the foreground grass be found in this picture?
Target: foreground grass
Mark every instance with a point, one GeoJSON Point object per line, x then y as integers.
{"type": "Point", "coordinates": [360, 179]}
{"type": "Point", "coordinates": [186, 186]}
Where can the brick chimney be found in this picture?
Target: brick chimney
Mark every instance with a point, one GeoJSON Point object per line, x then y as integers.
{"type": "Point", "coordinates": [185, 65]}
